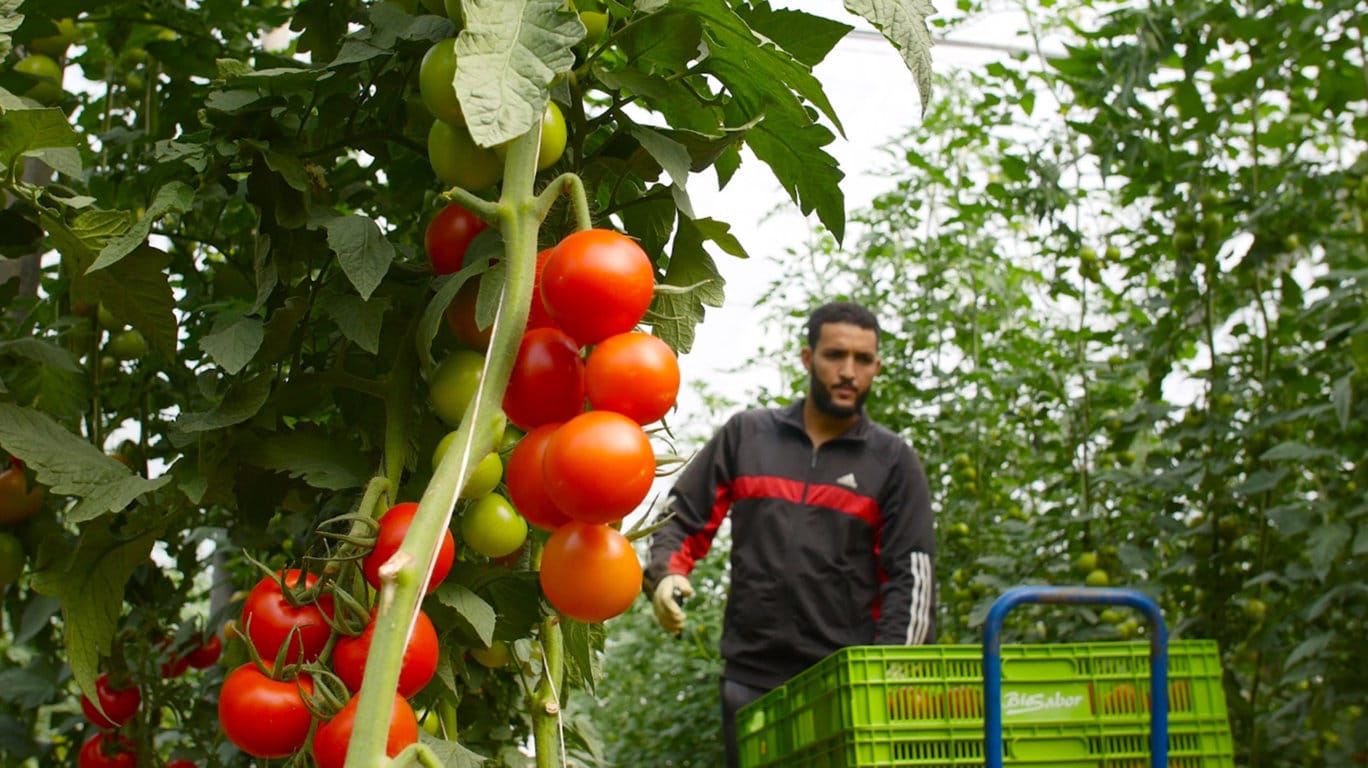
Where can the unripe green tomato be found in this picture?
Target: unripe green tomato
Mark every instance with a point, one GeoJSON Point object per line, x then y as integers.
{"type": "Point", "coordinates": [552, 145]}
{"type": "Point", "coordinates": [108, 365]}
{"type": "Point", "coordinates": [453, 385]}
{"type": "Point", "coordinates": [493, 657]}
{"type": "Point", "coordinates": [107, 319]}
{"type": "Point", "coordinates": [1255, 610]}
{"type": "Point", "coordinates": [1097, 578]}
{"type": "Point", "coordinates": [436, 82]}
{"type": "Point", "coordinates": [493, 527]}
{"type": "Point", "coordinates": [12, 558]}
{"type": "Point", "coordinates": [486, 476]}
{"type": "Point", "coordinates": [127, 345]}
{"type": "Point", "coordinates": [46, 77]}
{"type": "Point", "coordinates": [1087, 562]}
{"type": "Point", "coordinates": [458, 160]}
{"type": "Point", "coordinates": [455, 12]}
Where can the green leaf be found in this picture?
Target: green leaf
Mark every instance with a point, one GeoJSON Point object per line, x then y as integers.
{"type": "Point", "coordinates": [675, 315]}
{"type": "Point", "coordinates": [904, 25]}
{"type": "Point", "coordinates": [1324, 545]}
{"type": "Point", "coordinates": [26, 132]}
{"type": "Point", "coordinates": [582, 643]}
{"type": "Point", "coordinates": [175, 197]}
{"type": "Point", "coordinates": [137, 289]}
{"type": "Point", "coordinates": [41, 352]}
{"type": "Point", "coordinates": [360, 320]}
{"type": "Point", "coordinates": [70, 466]}
{"type": "Point", "coordinates": [317, 457]}
{"type": "Point", "coordinates": [362, 250]}
{"type": "Point", "coordinates": [1343, 398]}
{"type": "Point", "coordinates": [233, 344]}
{"type": "Point", "coordinates": [477, 616]}
{"type": "Point", "coordinates": [29, 687]}
{"type": "Point", "coordinates": [90, 584]}
{"type": "Point", "coordinates": [242, 401]}
{"type": "Point", "coordinates": [432, 318]}
{"type": "Point", "coordinates": [509, 52]}
{"type": "Point", "coordinates": [451, 754]}
{"type": "Point", "coordinates": [806, 37]}
{"type": "Point", "coordinates": [1293, 451]}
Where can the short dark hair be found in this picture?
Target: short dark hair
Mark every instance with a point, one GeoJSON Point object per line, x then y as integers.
{"type": "Point", "coordinates": [840, 312]}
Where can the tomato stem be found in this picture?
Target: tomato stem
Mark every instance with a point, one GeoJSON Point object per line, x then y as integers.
{"type": "Point", "coordinates": [567, 184]}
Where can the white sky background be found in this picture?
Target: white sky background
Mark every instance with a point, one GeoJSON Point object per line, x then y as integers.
{"type": "Point", "coordinates": [875, 97]}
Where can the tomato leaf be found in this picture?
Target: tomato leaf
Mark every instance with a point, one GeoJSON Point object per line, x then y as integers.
{"type": "Point", "coordinates": [69, 465]}
{"type": "Point", "coordinates": [904, 25]}
{"type": "Point", "coordinates": [451, 753]}
{"type": "Point", "coordinates": [431, 320]}
{"type": "Point", "coordinates": [31, 686]}
{"type": "Point", "coordinates": [41, 133]}
{"type": "Point", "coordinates": [673, 315]}
{"type": "Point", "coordinates": [138, 291]}
{"type": "Point", "coordinates": [242, 401]}
{"type": "Point", "coordinates": [176, 197]}
{"type": "Point", "coordinates": [360, 320]}
{"type": "Point", "coordinates": [90, 583]}
{"type": "Point", "coordinates": [509, 53]}
{"type": "Point", "coordinates": [583, 663]}
{"type": "Point", "coordinates": [362, 250]}
{"type": "Point", "coordinates": [806, 37]}
{"type": "Point", "coordinates": [320, 460]}
{"type": "Point", "coordinates": [233, 342]}
{"type": "Point", "coordinates": [475, 615]}
{"type": "Point", "coordinates": [40, 352]}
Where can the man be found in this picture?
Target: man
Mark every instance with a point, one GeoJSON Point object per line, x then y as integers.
{"type": "Point", "coordinates": [832, 537]}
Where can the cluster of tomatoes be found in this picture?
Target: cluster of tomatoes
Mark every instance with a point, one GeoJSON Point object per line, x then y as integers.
{"type": "Point", "coordinates": [274, 706]}
{"type": "Point", "coordinates": [116, 703]}
{"type": "Point", "coordinates": [584, 384]}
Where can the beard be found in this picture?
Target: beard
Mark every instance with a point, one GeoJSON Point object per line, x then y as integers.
{"type": "Point", "coordinates": [821, 398]}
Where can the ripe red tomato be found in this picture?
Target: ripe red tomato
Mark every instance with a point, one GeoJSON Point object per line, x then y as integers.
{"type": "Point", "coordinates": [269, 618]}
{"type": "Point", "coordinates": [417, 668]}
{"type": "Point", "coordinates": [448, 236]}
{"type": "Point", "coordinates": [175, 664]}
{"type": "Point", "coordinates": [180, 764]}
{"type": "Point", "coordinates": [589, 572]}
{"type": "Point", "coordinates": [394, 525]}
{"type": "Point", "coordinates": [18, 501]}
{"type": "Point", "coordinates": [598, 466]}
{"type": "Point", "coordinates": [526, 483]}
{"type": "Point", "coordinates": [207, 654]}
{"type": "Point", "coordinates": [107, 750]}
{"type": "Point", "coordinates": [597, 283]}
{"type": "Point", "coordinates": [547, 381]}
{"type": "Point", "coordinates": [334, 736]}
{"type": "Point", "coordinates": [119, 703]}
{"type": "Point", "coordinates": [264, 717]}
{"type": "Point", "coordinates": [634, 374]}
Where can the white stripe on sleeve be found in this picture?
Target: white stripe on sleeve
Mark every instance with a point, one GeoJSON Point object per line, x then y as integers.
{"type": "Point", "coordinates": [919, 617]}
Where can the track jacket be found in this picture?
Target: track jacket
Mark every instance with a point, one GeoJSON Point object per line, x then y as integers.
{"type": "Point", "coordinates": [830, 548]}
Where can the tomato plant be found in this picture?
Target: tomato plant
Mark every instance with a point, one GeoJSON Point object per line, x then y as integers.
{"type": "Point", "coordinates": [107, 750]}
{"type": "Point", "coordinates": [589, 572]}
{"type": "Point", "coordinates": [262, 716]}
{"type": "Point", "coordinates": [333, 737]}
{"type": "Point", "coordinates": [448, 235]}
{"type": "Point", "coordinates": [492, 527]}
{"type": "Point", "coordinates": [207, 653]}
{"type": "Point", "coordinates": [18, 501]}
{"type": "Point", "coordinates": [454, 383]}
{"type": "Point", "coordinates": [598, 466]}
{"type": "Point", "coordinates": [417, 668]}
{"type": "Point", "coordinates": [634, 374]}
{"type": "Point", "coordinates": [527, 484]}
{"type": "Point", "coordinates": [597, 283]}
{"type": "Point", "coordinates": [394, 525]}
{"type": "Point", "coordinates": [547, 382]}
{"type": "Point", "coordinates": [271, 619]}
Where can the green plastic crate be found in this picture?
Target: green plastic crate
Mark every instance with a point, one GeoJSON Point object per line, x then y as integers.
{"type": "Point", "coordinates": [1200, 743]}
{"type": "Point", "coordinates": [930, 691]}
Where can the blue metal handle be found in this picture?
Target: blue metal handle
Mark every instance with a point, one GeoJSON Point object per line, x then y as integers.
{"type": "Point", "coordinates": [992, 659]}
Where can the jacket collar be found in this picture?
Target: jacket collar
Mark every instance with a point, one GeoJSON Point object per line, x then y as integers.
{"type": "Point", "coordinates": [792, 415]}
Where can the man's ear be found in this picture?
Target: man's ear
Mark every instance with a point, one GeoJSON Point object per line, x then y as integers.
{"type": "Point", "coordinates": [807, 359]}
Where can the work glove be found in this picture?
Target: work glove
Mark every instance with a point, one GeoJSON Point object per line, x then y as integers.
{"type": "Point", "coordinates": [665, 601]}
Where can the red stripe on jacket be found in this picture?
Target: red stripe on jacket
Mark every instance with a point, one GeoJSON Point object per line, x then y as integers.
{"type": "Point", "coordinates": [696, 547]}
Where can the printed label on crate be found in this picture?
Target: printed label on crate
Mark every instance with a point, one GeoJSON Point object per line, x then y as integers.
{"type": "Point", "coordinates": [1046, 701]}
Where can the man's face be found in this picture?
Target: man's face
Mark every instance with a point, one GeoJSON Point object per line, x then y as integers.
{"type": "Point", "coordinates": [842, 368]}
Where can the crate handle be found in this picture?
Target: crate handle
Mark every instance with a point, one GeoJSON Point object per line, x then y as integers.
{"type": "Point", "coordinates": [992, 659]}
